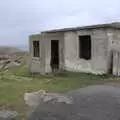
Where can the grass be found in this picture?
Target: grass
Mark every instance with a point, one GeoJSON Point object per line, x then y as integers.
{"type": "Point", "coordinates": [17, 81]}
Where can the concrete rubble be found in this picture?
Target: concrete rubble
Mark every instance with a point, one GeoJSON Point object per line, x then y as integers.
{"type": "Point", "coordinates": [7, 61]}
{"type": "Point", "coordinates": [8, 115]}
{"type": "Point", "coordinates": [39, 97]}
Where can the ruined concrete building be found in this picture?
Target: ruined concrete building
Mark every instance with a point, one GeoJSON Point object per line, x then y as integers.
{"type": "Point", "coordinates": [93, 49]}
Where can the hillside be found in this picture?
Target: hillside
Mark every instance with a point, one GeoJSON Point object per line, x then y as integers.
{"type": "Point", "coordinates": [12, 56]}
{"type": "Point", "coordinates": [9, 50]}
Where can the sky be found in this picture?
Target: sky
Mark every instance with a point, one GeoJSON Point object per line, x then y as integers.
{"type": "Point", "coordinates": [20, 18]}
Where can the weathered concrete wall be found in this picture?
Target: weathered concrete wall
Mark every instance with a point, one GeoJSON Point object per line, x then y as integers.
{"type": "Point", "coordinates": [47, 40]}
{"type": "Point", "coordinates": [114, 50]}
{"type": "Point", "coordinates": [116, 63]}
{"type": "Point", "coordinates": [102, 41]}
{"type": "Point", "coordinates": [98, 62]}
{"type": "Point", "coordinates": [37, 64]}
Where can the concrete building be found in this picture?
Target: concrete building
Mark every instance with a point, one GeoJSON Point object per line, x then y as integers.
{"type": "Point", "coordinates": [80, 49]}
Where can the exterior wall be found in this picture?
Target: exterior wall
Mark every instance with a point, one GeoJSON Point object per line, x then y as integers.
{"type": "Point", "coordinates": [99, 59]}
{"type": "Point", "coordinates": [47, 39]}
{"type": "Point", "coordinates": [36, 64]}
{"type": "Point", "coordinates": [114, 50]}
{"type": "Point", "coordinates": [116, 63]}
{"type": "Point", "coordinates": [102, 41]}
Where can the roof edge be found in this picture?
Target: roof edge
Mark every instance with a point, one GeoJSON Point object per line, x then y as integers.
{"type": "Point", "coordinates": [107, 25]}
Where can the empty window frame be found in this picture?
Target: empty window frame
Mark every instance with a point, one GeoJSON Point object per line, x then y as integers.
{"type": "Point", "coordinates": [85, 47]}
{"type": "Point", "coordinates": [36, 49]}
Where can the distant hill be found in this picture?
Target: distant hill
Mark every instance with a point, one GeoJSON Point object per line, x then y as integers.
{"type": "Point", "coordinates": [9, 50]}
{"type": "Point", "coordinates": [22, 47]}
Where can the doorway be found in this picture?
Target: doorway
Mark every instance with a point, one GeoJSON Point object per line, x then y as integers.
{"type": "Point", "coordinates": [54, 55]}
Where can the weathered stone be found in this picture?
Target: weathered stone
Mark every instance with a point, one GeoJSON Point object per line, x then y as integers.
{"type": "Point", "coordinates": [8, 115]}
{"type": "Point", "coordinates": [36, 98]}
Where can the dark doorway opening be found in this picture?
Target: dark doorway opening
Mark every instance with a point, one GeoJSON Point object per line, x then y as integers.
{"type": "Point", "coordinates": [85, 47]}
{"type": "Point", "coordinates": [54, 55]}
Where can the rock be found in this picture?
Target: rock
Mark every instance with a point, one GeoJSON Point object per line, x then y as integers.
{"type": "Point", "coordinates": [8, 115]}
{"type": "Point", "coordinates": [33, 99]}
{"type": "Point", "coordinates": [39, 97]}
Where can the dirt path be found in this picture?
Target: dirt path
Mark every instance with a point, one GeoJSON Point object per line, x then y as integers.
{"type": "Point", "coordinates": [98, 102]}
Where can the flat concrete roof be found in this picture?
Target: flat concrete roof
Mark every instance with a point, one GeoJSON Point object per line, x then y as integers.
{"type": "Point", "coordinates": [115, 25]}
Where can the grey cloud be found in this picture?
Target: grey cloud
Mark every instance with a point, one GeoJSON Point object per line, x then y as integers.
{"type": "Point", "coordinates": [19, 18]}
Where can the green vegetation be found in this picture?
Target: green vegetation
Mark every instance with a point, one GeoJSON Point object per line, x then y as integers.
{"type": "Point", "coordinates": [16, 81]}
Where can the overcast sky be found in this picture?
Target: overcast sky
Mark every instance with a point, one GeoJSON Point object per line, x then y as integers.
{"type": "Point", "coordinates": [20, 18]}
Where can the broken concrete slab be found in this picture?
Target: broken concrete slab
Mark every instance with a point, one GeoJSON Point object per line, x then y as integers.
{"type": "Point", "coordinates": [39, 97]}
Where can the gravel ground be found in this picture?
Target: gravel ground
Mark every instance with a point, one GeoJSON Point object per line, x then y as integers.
{"type": "Point", "coordinates": [8, 115]}
{"type": "Point", "coordinates": [98, 102]}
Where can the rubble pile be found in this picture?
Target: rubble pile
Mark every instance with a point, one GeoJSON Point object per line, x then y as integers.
{"type": "Point", "coordinates": [7, 61]}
